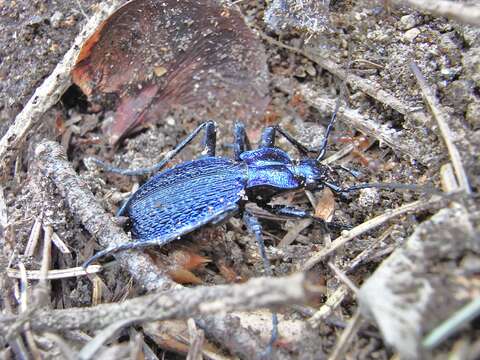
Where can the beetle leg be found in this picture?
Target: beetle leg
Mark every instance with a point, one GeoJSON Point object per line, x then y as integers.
{"type": "Point", "coordinates": [240, 142]}
{"type": "Point", "coordinates": [289, 211]}
{"type": "Point", "coordinates": [255, 228]}
{"type": "Point", "coordinates": [170, 155]}
{"type": "Point", "coordinates": [210, 139]}
{"type": "Point", "coordinates": [268, 137]}
{"type": "Point", "coordinates": [296, 213]}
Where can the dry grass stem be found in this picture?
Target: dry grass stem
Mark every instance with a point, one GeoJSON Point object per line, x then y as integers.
{"type": "Point", "coordinates": [197, 338]}
{"type": "Point", "coordinates": [368, 252]}
{"type": "Point", "coordinates": [439, 116]}
{"type": "Point", "coordinates": [330, 305]}
{"type": "Point", "coordinates": [52, 88]}
{"type": "Point", "coordinates": [92, 347]}
{"type": "Point", "coordinates": [369, 225]}
{"type": "Point", "coordinates": [347, 337]}
{"type": "Point", "coordinates": [464, 13]}
{"type": "Point", "coordinates": [448, 179]}
{"type": "Point", "coordinates": [55, 274]}
{"type": "Point", "coordinates": [343, 278]}
{"type": "Point", "coordinates": [60, 244]}
{"type": "Point", "coordinates": [452, 324]}
{"type": "Point", "coordinates": [34, 236]}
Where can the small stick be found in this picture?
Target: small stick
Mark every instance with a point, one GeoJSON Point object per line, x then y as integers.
{"type": "Point", "coordinates": [366, 253]}
{"type": "Point", "coordinates": [56, 274]}
{"type": "Point", "coordinates": [448, 179]}
{"type": "Point", "coordinates": [91, 348]}
{"type": "Point", "coordinates": [52, 88]}
{"type": "Point", "coordinates": [434, 107]}
{"type": "Point", "coordinates": [344, 278]}
{"type": "Point", "coordinates": [197, 338]}
{"type": "Point", "coordinates": [452, 325]}
{"type": "Point", "coordinates": [253, 294]}
{"type": "Point", "coordinates": [24, 310]}
{"type": "Point", "coordinates": [330, 305]}
{"type": "Point", "coordinates": [369, 225]}
{"type": "Point", "coordinates": [34, 236]}
{"type": "Point", "coordinates": [347, 336]}
{"type": "Point", "coordinates": [60, 244]}
{"type": "Point", "coordinates": [464, 13]}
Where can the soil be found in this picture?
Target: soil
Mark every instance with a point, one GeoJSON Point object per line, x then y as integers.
{"type": "Point", "coordinates": [377, 41]}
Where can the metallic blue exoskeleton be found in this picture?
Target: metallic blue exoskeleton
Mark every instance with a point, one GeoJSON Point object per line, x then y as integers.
{"type": "Point", "coordinates": [211, 189]}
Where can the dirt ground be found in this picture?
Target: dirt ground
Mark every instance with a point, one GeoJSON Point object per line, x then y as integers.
{"type": "Point", "coordinates": [409, 274]}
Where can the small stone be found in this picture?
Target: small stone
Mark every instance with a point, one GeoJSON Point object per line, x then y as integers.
{"type": "Point", "coordinates": [310, 69]}
{"type": "Point", "coordinates": [408, 22]}
{"type": "Point", "coordinates": [368, 197]}
{"type": "Point", "coordinates": [411, 34]}
{"type": "Point", "coordinates": [159, 70]}
{"type": "Point", "coordinates": [56, 19]}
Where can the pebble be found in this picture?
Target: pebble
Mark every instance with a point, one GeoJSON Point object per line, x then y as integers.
{"type": "Point", "coordinates": [411, 34]}
{"type": "Point", "coordinates": [368, 197]}
{"type": "Point", "coordinates": [408, 22]}
{"type": "Point", "coordinates": [56, 19]}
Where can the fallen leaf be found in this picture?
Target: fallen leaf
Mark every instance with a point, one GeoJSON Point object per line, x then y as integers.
{"type": "Point", "coordinates": [158, 56]}
{"type": "Point", "coordinates": [325, 205]}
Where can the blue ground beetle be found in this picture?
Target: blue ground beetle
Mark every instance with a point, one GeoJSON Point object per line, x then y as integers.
{"type": "Point", "coordinates": [211, 189]}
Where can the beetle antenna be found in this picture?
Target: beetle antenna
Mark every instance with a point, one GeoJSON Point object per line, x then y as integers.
{"type": "Point", "coordinates": [323, 148]}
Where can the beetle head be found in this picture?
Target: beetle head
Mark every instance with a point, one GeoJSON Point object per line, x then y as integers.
{"type": "Point", "coordinates": [310, 173]}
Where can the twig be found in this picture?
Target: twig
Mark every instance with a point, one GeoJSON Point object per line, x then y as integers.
{"type": "Point", "coordinates": [369, 225]}
{"type": "Point", "coordinates": [434, 107]}
{"type": "Point", "coordinates": [343, 278]}
{"type": "Point", "coordinates": [56, 274]}
{"type": "Point", "coordinates": [60, 244]}
{"type": "Point", "coordinates": [464, 13]}
{"type": "Point", "coordinates": [33, 238]}
{"type": "Point", "coordinates": [92, 347]}
{"type": "Point", "coordinates": [196, 341]}
{"type": "Point", "coordinates": [448, 179]}
{"type": "Point", "coordinates": [452, 325]}
{"type": "Point", "coordinates": [172, 304]}
{"type": "Point", "coordinates": [52, 88]}
{"type": "Point", "coordinates": [330, 305]}
{"type": "Point", "coordinates": [366, 253]}
{"type": "Point", "coordinates": [346, 337]}
{"type": "Point", "coordinates": [25, 311]}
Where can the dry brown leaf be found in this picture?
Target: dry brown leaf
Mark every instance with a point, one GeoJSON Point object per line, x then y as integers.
{"type": "Point", "coordinates": [325, 207]}
{"type": "Point", "coordinates": [156, 56]}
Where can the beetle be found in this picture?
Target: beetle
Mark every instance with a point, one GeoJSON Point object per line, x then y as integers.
{"type": "Point", "coordinates": [211, 189]}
